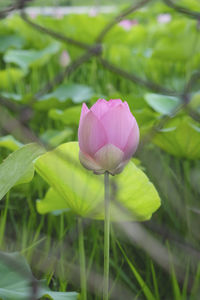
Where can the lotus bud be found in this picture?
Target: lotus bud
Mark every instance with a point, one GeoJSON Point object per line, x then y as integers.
{"type": "Point", "coordinates": [64, 59]}
{"type": "Point", "coordinates": [108, 136]}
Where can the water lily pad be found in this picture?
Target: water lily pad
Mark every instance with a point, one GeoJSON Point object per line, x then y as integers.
{"type": "Point", "coordinates": [17, 278]}
{"type": "Point", "coordinates": [83, 192]}
{"type": "Point", "coordinates": [180, 137]}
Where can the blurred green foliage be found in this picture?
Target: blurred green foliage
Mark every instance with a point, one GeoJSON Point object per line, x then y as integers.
{"type": "Point", "coordinates": [166, 53]}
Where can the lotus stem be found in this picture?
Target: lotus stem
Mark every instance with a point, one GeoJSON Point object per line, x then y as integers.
{"type": "Point", "coordinates": [106, 238]}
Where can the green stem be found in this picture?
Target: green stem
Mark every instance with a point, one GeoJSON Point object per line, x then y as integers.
{"type": "Point", "coordinates": [106, 238]}
{"type": "Point", "coordinates": [82, 260]}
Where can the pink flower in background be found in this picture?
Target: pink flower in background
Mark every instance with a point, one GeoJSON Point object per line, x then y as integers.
{"type": "Point", "coordinates": [58, 13]}
{"type": "Point", "coordinates": [93, 12]}
{"type": "Point", "coordinates": [128, 24]}
{"type": "Point", "coordinates": [64, 59]}
{"type": "Point", "coordinates": [108, 136]}
{"type": "Point", "coordinates": [164, 18]}
{"type": "Point", "coordinates": [33, 15]}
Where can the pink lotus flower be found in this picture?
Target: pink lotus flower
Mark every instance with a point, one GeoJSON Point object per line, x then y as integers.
{"type": "Point", "coordinates": [164, 18]}
{"type": "Point", "coordinates": [93, 12]}
{"type": "Point", "coordinates": [33, 15]}
{"type": "Point", "coordinates": [58, 13]}
{"type": "Point", "coordinates": [108, 136]}
{"type": "Point", "coordinates": [128, 24]}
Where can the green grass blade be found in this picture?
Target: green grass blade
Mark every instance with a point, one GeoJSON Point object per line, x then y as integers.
{"type": "Point", "coordinates": [175, 285]}
{"type": "Point", "coordinates": [155, 282]}
{"type": "Point", "coordinates": [147, 292]}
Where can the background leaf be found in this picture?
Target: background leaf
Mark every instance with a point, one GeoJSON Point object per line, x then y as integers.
{"type": "Point", "coordinates": [18, 165]}
{"type": "Point", "coordinates": [31, 58]}
{"type": "Point", "coordinates": [54, 137]}
{"type": "Point", "coordinates": [161, 103]}
{"type": "Point", "coordinates": [68, 116]}
{"type": "Point", "coordinates": [9, 77]}
{"type": "Point", "coordinates": [10, 142]}
{"type": "Point", "coordinates": [16, 278]}
{"type": "Point", "coordinates": [76, 92]}
{"type": "Point", "coordinates": [180, 137]}
{"type": "Point", "coordinates": [11, 41]}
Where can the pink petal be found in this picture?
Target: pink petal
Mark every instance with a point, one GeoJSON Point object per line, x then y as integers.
{"type": "Point", "coordinates": [91, 134]}
{"type": "Point", "coordinates": [109, 157]}
{"type": "Point", "coordinates": [120, 168]}
{"type": "Point", "coordinates": [99, 172]}
{"type": "Point", "coordinates": [88, 162]}
{"type": "Point", "coordinates": [132, 142]}
{"type": "Point", "coordinates": [114, 102]}
{"type": "Point", "coordinates": [118, 123]}
{"type": "Point", "coordinates": [127, 106]}
{"type": "Point", "coordinates": [84, 111]}
{"type": "Point", "coordinates": [100, 108]}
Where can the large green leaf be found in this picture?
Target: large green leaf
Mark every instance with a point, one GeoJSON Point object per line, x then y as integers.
{"type": "Point", "coordinates": [75, 92]}
{"type": "Point", "coordinates": [16, 278]}
{"type": "Point", "coordinates": [46, 204]}
{"type": "Point", "coordinates": [17, 167]}
{"type": "Point", "coordinates": [83, 192]}
{"type": "Point", "coordinates": [161, 103]}
{"type": "Point", "coordinates": [180, 137]}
